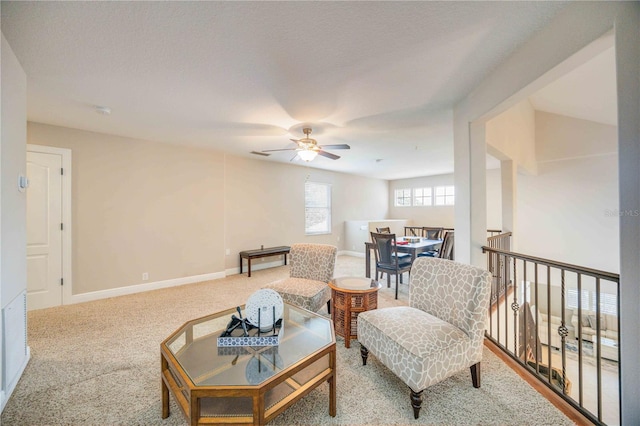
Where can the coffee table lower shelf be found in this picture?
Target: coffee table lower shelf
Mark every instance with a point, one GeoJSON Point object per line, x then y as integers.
{"type": "Point", "coordinates": [248, 388]}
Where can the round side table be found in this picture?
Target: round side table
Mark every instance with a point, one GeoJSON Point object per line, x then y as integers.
{"type": "Point", "coordinates": [349, 297]}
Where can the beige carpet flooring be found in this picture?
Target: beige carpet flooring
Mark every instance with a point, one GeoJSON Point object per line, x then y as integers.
{"type": "Point", "coordinates": [98, 363]}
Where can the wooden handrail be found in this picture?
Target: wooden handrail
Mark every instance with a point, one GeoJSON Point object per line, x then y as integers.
{"type": "Point", "coordinates": [609, 276]}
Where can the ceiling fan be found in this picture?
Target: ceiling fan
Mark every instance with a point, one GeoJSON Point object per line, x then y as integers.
{"type": "Point", "coordinates": [308, 148]}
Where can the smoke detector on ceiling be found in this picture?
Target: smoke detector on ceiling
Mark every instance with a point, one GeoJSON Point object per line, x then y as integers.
{"type": "Point", "coordinates": [103, 110]}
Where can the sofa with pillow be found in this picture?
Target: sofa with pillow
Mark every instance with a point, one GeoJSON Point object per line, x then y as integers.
{"type": "Point", "coordinates": [545, 319]}
{"type": "Point", "coordinates": [608, 325]}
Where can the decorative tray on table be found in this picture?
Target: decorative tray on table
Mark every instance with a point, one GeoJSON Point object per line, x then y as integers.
{"type": "Point", "coordinates": [262, 325]}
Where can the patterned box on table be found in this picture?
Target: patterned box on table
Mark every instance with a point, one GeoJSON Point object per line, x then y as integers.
{"type": "Point", "coordinates": [254, 338]}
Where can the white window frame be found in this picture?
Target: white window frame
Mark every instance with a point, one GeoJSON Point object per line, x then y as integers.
{"type": "Point", "coordinates": [444, 195]}
{"type": "Point", "coordinates": [608, 301]}
{"type": "Point", "coordinates": [427, 193]}
{"type": "Point", "coordinates": [322, 206]}
{"type": "Point", "coordinates": [404, 194]}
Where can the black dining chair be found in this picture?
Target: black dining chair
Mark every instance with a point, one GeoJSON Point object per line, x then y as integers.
{"type": "Point", "coordinates": [387, 259]}
{"type": "Point", "coordinates": [387, 230]}
{"type": "Point", "coordinates": [413, 231]}
{"type": "Point", "coordinates": [445, 251]}
{"type": "Point", "coordinates": [432, 233]}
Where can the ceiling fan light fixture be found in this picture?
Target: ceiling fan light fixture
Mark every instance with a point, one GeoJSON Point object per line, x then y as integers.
{"type": "Point", "coordinates": [307, 154]}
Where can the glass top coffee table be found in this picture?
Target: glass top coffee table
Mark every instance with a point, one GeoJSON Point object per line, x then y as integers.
{"type": "Point", "coordinates": [245, 384]}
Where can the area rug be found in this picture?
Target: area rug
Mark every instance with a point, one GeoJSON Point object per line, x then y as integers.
{"type": "Point", "coordinates": [98, 363]}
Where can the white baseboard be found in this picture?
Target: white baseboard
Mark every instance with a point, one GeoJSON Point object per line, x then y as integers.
{"type": "Point", "coordinates": [255, 266]}
{"type": "Point", "coordinates": [350, 253]}
{"type": "Point", "coordinates": [139, 288]}
{"type": "Point", "coordinates": [6, 393]}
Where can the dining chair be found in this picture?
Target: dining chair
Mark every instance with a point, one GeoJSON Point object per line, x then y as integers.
{"type": "Point", "coordinates": [387, 259]}
{"type": "Point", "coordinates": [440, 333]}
{"type": "Point", "coordinates": [387, 230]}
{"type": "Point", "coordinates": [413, 231]}
{"type": "Point", "coordinates": [431, 233]}
{"type": "Point", "coordinates": [445, 251]}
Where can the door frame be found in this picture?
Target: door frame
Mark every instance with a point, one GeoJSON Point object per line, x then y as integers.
{"type": "Point", "coordinates": [67, 276]}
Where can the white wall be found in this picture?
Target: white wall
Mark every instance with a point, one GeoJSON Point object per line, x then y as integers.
{"type": "Point", "coordinates": [551, 52]}
{"type": "Point", "coordinates": [438, 216]}
{"type": "Point", "coordinates": [13, 270]}
{"type": "Point", "coordinates": [443, 216]}
{"type": "Point", "coordinates": [494, 199]}
{"type": "Point", "coordinates": [568, 212]}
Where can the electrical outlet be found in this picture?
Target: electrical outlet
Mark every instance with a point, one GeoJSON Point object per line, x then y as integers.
{"type": "Point", "coordinates": [228, 252]}
{"type": "Point", "coordinates": [145, 276]}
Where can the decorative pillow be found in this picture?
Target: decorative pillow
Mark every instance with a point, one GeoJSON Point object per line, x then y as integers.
{"type": "Point", "coordinates": [585, 320]}
{"type": "Point", "coordinates": [592, 322]}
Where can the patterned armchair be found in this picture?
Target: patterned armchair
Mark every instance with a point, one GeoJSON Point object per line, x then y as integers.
{"type": "Point", "coordinates": [441, 331]}
{"type": "Point", "coordinates": [312, 267]}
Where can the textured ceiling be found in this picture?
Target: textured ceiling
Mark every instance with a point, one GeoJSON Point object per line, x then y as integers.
{"type": "Point", "coordinates": [245, 76]}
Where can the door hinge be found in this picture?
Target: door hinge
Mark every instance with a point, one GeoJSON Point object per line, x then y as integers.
{"type": "Point", "coordinates": [61, 171]}
{"type": "Point", "coordinates": [62, 226]}
{"type": "Point", "coordinates": [61, 281]}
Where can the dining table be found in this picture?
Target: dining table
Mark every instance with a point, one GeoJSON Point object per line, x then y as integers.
{"type": "Point", "coordinates": [403, 247]}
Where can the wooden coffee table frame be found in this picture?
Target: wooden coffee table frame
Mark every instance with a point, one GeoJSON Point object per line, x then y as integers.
{"type": "Point", "coordinates": [189, 396]}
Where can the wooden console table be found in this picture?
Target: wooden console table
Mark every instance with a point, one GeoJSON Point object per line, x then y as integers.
{"type": "Point", "coordinates": [262, 252]}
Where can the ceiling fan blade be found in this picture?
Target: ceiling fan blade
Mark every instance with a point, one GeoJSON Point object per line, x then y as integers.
{"type": "Point", "coordinates": [284, 149]}
{"type": "Point", "coordinates": [328, 154]}
{"type": "Point", "coordinates": [337, 146]}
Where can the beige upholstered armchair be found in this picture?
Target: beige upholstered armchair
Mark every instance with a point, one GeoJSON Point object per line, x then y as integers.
{"type": "Point", "coordinates": [312, 267]}
{"type": "Point", "coordinates": [441, 331]}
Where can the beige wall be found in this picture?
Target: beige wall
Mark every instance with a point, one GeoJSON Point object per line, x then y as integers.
{"type": "Point", "coordinates": [172, 211]}
{"type": "Point", "coordinates": [569, 211]}
{"type": "Point", "coordinates": [562, 138]}
{"type": "Point", "coordinates": [512, 134]}
{"type": "Point", "coordinates": [139, 207]}
{"type": "Point", "coordinates": [265, 204]}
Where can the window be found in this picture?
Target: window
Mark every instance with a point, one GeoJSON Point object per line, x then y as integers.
{"type": "Point", "coordinates": [422, 197]}
{"type": "Point", "coordinates": [445, 195]}
{"type": "Point", "coordinates": [317, 208]}
{"type": "Point", "coordinates": [608, 302]}
{"type": "Point", "coordinates": [572, 299]}
{"type": "Point", "coordinates": [403, 197]}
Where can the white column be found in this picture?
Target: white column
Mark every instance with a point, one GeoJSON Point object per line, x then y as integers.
{"type": "Point", "coordinates": [470, 157]}
{"type": "Point", "coordinates": [509, 176]}
{"type": "Point", "coordinates": [627, 29]}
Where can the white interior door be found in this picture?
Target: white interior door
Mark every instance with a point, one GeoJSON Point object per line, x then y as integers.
{"type": "Point", "coordinates": [44, 233]}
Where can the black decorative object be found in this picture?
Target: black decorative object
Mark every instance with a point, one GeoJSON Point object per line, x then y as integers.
{"type": "Point", "coordinates": [240, 332]}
